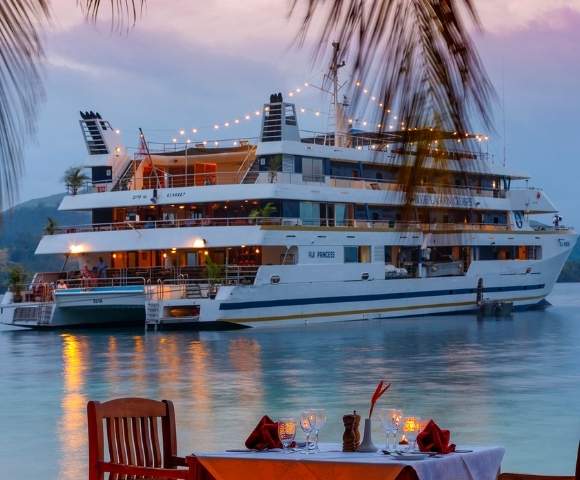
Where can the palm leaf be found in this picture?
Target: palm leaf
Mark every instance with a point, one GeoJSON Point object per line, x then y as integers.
{"type": "Point", "coordinates": [122, 12]}
{"type": "Point", "coordinates": [21, 90]}
{"type": "Point", "coordinates": [420, 58]}
{"type": "Point", "coordinates": [20, 86]}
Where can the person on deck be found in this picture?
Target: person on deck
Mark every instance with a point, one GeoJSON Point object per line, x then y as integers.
{"type": "Point", "coordinates": [101, 268]}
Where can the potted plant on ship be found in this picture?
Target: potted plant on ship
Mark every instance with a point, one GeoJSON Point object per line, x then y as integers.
{"type": "Point", "coordinates": [215, 275]}
{"type": "Point", "coordinates": [16, 279]}
{"type": "Point", "coordinates": [50, 227]}
{"type": "Point", "coordinates": [274, 166]}
{"type": "Point", "coordinates": [74, 179]}
{"type": "Point", "coordinates": [261, 215]}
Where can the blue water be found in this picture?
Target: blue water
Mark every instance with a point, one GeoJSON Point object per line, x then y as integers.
{"type": "Point", "coordinates": [511, 382]}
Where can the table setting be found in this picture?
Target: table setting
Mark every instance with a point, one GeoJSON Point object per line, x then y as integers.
{"type": "Point", "coordinates": [414, 448]}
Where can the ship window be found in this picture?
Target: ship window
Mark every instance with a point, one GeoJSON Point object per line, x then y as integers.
{"type": "Point", "coordinates": [354, 254]}
{"type": "Point", "coordinates": [310, 213]}
{"type": "Point", "coordinates": [350, 254]}
{"type": "Point", "coordinates": [364, 254]}
{"type": "Point", "coordinates": [340, 214]}
{"type": "Point", "coordinates": [312, 169]}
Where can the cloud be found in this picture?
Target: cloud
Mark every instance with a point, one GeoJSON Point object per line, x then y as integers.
{"type": "Point", "coordinates": [503, 16]}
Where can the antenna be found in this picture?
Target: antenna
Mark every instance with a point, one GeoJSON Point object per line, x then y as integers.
{"type": "Point", "coordinates": [504, 134]}
{"type": "Point", "coordinates": [339, 132]}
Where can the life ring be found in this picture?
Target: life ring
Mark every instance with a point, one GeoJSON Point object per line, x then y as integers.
{"type": "Point", "coordinates": [519, 219]}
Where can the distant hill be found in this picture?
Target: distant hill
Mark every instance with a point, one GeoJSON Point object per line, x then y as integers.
{"type": "Point", "coordinates": [571, 271]}
{"type": "Point", "coordinates": [21, 228]}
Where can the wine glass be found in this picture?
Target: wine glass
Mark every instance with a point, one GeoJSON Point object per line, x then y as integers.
{"type": "Point", "coordinates": [318, 420]}
{"type": "Point", "coordinates": [286, 432]}
{"type": "Point", "coordinates": [391, 420]}
{"type": "Point", "coordinates": [307, 427]}
{"type": "Point", "coordinates": [411, 428]}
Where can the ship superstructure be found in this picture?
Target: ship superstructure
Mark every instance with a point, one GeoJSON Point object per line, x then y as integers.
{"type": "Point", "coordinates": [291, 227]}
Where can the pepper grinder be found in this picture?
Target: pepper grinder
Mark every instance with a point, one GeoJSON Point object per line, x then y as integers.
{"type": "Point", "coordinates": [351, 435]}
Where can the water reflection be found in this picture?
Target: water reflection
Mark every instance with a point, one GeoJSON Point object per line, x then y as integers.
{"type": "Point", "coordinates": [138, 367]}
{"type": "Point", "coordinates": [72, 429]}
{"type": "Point", "coordinates": [490, 382]}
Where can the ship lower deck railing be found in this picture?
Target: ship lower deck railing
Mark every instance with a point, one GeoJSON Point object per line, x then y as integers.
{"type": "Point", "coordinates": [41, 289]}
{"type": "Point", "coordinates": [183, 287]}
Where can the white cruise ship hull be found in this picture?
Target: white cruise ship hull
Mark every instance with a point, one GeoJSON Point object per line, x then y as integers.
{"type": "Point", "coordinates": [523, 283]}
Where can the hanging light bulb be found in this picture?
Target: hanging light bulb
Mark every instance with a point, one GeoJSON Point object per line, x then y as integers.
{"type": "Point", "coordinates": [181, 132]}
{"type": "Point", "coordinates": [194, 130]}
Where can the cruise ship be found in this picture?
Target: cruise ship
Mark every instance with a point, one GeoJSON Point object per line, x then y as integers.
{"type": "Point", "coordinates": [292, 227]}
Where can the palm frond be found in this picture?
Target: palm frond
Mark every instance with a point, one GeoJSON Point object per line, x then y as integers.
{"type": "Point", "coordinates": [123, 12]}
{"type": "Point", "coordinates": [20, 86]}
{"type": "Point", "coordinates": [419, 57]}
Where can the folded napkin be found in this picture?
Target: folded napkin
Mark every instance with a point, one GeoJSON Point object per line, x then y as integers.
{"type": "Point", "coordinates": [434, 439]}
{"type": "Point", "coordinates": [264, 436]}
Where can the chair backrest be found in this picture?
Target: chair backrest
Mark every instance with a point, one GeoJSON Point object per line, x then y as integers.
{"type": "Point", "coordinates": [137, 432]}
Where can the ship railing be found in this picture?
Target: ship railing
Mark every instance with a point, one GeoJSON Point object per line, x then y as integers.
{"type": "Point", "coordinates": [182, 143]}
{"type": "Point", "coordinates": [280, 221]}
{"type": "Point", "coordinates": [235, 177]}
{"type": "Point", "coordinates": [382, 143]}
{"type": "Point", "coordinates": [183, 287]}
{"type": "Point", "coordinates": [39, 291]}
{"type": "Point", "coordinates": [551, 228]}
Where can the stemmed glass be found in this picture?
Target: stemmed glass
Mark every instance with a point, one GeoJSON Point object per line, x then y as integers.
{"type": "Point", "coordinates": [391, 420]}
{"type": "Point", "coordinates": [317, 420]}
{"type": "Point", "coordinates": [307, 427]}
{"type": "Point", "coordinates": [411, 427]}
{"type": "Point", "coordinates": [286, 432]}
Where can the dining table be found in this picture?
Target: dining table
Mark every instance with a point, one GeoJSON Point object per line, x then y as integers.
{"type": "Point", "coordinates": [331, 463]}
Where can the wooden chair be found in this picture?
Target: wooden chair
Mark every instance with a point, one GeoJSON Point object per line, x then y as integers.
{"type": "Point", "coordinates": [131, 429]}
{"type": "Point", "coordinates": [524, 476]}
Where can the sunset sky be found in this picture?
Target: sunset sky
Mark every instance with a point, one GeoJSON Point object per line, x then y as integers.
{"type": "Point", "coordinates": [189, 63]}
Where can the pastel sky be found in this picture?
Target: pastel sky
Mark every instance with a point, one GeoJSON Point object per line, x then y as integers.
{"type": "Point", "coordinates": [189, 63]}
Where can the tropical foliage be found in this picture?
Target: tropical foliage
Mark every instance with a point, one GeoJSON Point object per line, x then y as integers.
{"type": "Point", "coordinates": [21, 56]}
{"type": "Point", "coordinates": [419, 57]}
{"type": "Point", "coordinates": [16, 278]}
{"type": "Point", "coordinates": [50, 227]}
{"type": "Point", "coordinates": [74, 179]}
{"type": "Point", "coordinates": [263, 212]}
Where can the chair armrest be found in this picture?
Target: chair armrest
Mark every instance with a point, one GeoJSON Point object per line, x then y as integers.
{"type": "Point", "coordinates": [150, 472]}
{"type": "Point", "coordinates": [178, 461]}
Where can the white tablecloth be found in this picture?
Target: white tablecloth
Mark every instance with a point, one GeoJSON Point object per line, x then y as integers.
{"type": "Point", "coordinates": [482, 464]}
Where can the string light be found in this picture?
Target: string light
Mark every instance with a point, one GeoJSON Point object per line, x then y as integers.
{"type": "Point", "coordinates": [351, 121]}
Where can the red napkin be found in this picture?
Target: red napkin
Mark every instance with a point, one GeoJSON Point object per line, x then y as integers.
{"type": "Point", "coordinates": [264, 436]}
{"type": "Point", "coordinates": [434, 439]}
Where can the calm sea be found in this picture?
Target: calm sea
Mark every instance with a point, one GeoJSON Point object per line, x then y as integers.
{"type": "Point", "coordinates": [512, 382]}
